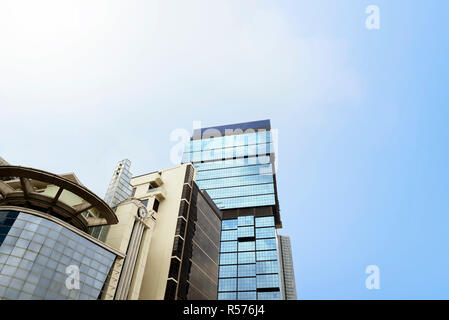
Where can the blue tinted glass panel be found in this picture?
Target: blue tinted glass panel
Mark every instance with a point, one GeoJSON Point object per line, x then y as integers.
{"type": "Point", "coordinates": [247, 270]}
{"type": "Point", "coordinates": [246, 245]}
{"type": "Point", "coordinates": [244, 202]}
{"type": "Point", "coordinates": [235, 181]}
{"type": "Point", "coordinates": [265, 222]}
{"type": "Point", "coordinates": [229, 235]}
{"type": "Point", "coordinates": [258, 189]}
{"type": "Point", "coordinates": [268, 281]}
{"type": "Point", "coordinates": [251, 295]}
{"type": "Point", "coordinates": [234, 172]}
{"type": "Point", "coordinates": [266, 255]}
{"type": "Point", "coordinates": [245, 221]}
{"type": "Point", "coordinates": [246, 257]}
{"type": "Point", "coordinates": [276, 295]}
{"type": "Point", "coordinates": [266, 244]}
{"type": "Point", "coordinates": [228, 258]}
{"type": "Point", "coordinates": [246, 232]}
{"type": "Point", "coordinates": [264, 267]}
{"type": "Point", "coordinates": [227, 296]}
{"type": "Point", "coordinates": [229, 152]}
{"type": "Point", "coordinates": [37, 251]}
{"type": "Point", "coordinates": [268, 232]}
{"type": "Point", "coordinates": [246, 284]}
{"type": "Point", "coordinates": [227, 284]}
{"type": "Point", "coordinates": [229, 224]}
{"type": "Point", "coordinates": [240, 162]}
{"type": "Point", "coordinates": [228, 271]}
{"type": "Point", "coordinates": [228, 246]}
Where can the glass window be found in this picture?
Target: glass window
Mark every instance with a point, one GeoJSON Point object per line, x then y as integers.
{"type": "Point", "coordinates": [268, 281]}
{"type": "Point", "coordinates": [228, 271]}
{"type": "Point", "coordinates": [266, 255]}
{"type": "Point", "coordinates": [246, 284]}
{"type": "Point", "coordinates": [268, 232]}
{"type": "Point", "coordinates": [39, 267]}
{"type": "Point", "coordinates": [228, 258]}
{"type": "Point", "coordinates": [227, 284]}
{"type": "Point", "coordinates": [251, 295]}
{"type": "Point", "coordinates": [247, 245]}
{"type": "Point", "coordinates": [229, 224]}
{"type": "Point", "coordinates": [266, 244]}
{"type": "Point", "coordinates": [245, 221]}
{"type": "Point", "coordinates": [241, 191]}
{"type": "Point", "coordinates": [265, 222]}
{"type": "Point", "coordinates": [244, 202]}
{"type": "Point", "coordinates": [246, 270]}
{"type": "Point", "coordinates": [226, 296]}
{"type": "Point", "coordinates": [244, 232]}
{"type": "Point", "coordinates": [271, 295]}
{"type": "Point", "coordinates": [246, 257]}
{"type": "Point", "coordinates": [267, 267]}
{"type": "Point", "coordinates": [228, 235]}
{"type": "Point", "coordinates": [228, 246]}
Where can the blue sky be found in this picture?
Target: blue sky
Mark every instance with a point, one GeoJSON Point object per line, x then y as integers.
{"type": "Point", "coordinates": [361, 115]}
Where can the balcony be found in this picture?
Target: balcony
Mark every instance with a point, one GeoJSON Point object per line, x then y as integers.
{"type": "Point", "coordinates": [158, 193]}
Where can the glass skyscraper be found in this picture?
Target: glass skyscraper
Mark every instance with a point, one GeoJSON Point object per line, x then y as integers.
{"type": "Point", "coordinates": [119, 190]}
{"type": "Point", "coordinates": [235, 166]}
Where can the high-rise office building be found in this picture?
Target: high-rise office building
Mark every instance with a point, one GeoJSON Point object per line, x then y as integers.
{"type": "Point", "coordinates": [287, 271]}
{"type": "Point", "coordinates": [235, 165]}
{"type": "Point", "coordinates": [119, 190]}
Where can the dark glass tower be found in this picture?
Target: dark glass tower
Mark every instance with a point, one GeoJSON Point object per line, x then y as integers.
{"type": "Point", "coordinates": [235, 165]}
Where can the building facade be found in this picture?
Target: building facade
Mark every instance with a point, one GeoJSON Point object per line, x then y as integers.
{"type": "Point", "coordinates": [44, 222]}
{"type": "Point", "coordinates": [119, 190]}
{"type": "Point", "coordinates": [172, 248]}
{"type": "Point", "coordinates": [287, 271]}
{"type": "Point", "coordinates": [236, 167]}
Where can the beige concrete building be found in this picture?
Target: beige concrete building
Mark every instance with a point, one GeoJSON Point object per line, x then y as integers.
{"type": "Point", "coordinates": [170, 233]}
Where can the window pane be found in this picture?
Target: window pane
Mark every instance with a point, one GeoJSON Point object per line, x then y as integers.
{"type": "Point", "coordinates": [227, 284]}
{"type": "Point", "coordinates": [247, 270]}
{"type": "Point", "coordinates": [226, 296]}
{"type": "Point", "coordinates": [268, 281]}
{"type": "Point", "coordinates": [247, 257]}
{"type": "Point", "coordinates": [275, 295]}
{"type": "Point", "coordinates": [228, 246]}
{"type": "Point", "coordinates": [229, 235]}
{"type": "Point", "coordinates": [228, 271]}
{"type": "Point", "coordinates": [229, 224]}
{"type": "Point", "coordinates": [245, 221]}
{"type": "Point", "coordinates": [228, 258]}
{"type": "Point", "coordinates": [266, 255]}
{"type": "Point", "coordinates": [267, 267]}
{"type": "Point", "coordinates": [247, 246]}
{"type": "Point", "coordinates": [247, 295]}
{"type": "Point", "coordinates": [246, 284]}
{"type": "Point", "coordinates": [266, 244]}
{"type": "Point", "coordinates": [265, 222]}
{"type": "Point", "coordinates": [244, 232]}
{"type": "Point", "coordinates": [265, 233]}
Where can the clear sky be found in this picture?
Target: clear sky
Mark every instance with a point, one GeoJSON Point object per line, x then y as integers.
{"type": "Point", "coordinates": [361, 115]}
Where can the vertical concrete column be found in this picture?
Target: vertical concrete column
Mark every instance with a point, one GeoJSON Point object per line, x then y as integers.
{"type": "Point", "coordinates": [130, 260]}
